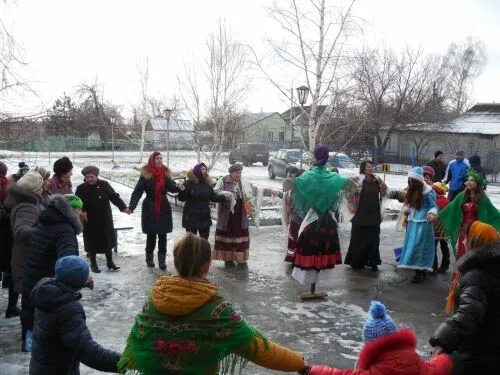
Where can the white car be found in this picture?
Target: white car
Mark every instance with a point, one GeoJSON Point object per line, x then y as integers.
{"type": "Point", "coordinates": [343, 163]}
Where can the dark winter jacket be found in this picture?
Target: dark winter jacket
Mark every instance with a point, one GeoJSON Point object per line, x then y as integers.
{"type": "Point", "coordinates": [146, 184]}
{"type": "Point", "coordinates": [474, 329]}
{"type": "Point", "coordinates": [54, 238]}
{"type": "Point", "coordinates": [197, 195]}
{"type": "Point", "coordinates": [439, 169]}
{"type": "Point", "coordinates": [456, 174]}
{"type": "Point", "coordinates": [393, 354]}
{"type": "Point", "coordinates": [61, 339]}
{"type": "Point", "coordinates": [475, 165]}
{"type": "Point", "coordinates": [98, 230]}
{"type": "Point", "coordinates": [24, 208]}
{"type": "Point", "coordinates": [5, 230]}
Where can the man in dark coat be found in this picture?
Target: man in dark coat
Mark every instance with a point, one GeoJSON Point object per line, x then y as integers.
{"type": "Point", "coordinates": [53, 238]}
{"type": "Point", "coordinates": [156, 217]}
{"type": "Point", "coordinates": [198, 193]}
{"type": "Point", "coordinates": [438, 165]}
{"type": "Point", "coordinates": [472, 333]}
{"type": "Point", "coordinates": [98, 229]}
{"type": "Point", "coordinates": [61, 338]}
{"type": "Point", "coordinates": [475, 165]}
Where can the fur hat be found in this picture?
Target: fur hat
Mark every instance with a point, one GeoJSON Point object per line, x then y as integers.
{"type": "Point", "coordinates": [23, 169]}
{"type": "Point", "coordinates": [437, 153]}
{"type": "Point", "coordinates": [235, 168]}
{"type": "Point", "coordinates": [3, 169]}
{"type": "Point", "coordinates": [92, 169]}
{"type": "Point", "coordinates": [30, 182]}
{"type": "Point", "coordinates": [73, 271]}
{"type": "Point", "coordinates": [416, 173]}
{"type": "Point", "coordinates": [378, 324]}
{"type": "Point", "coordinates": [41, 171]}
{"type": "Point", "coordinates": [62, 166]}
{"type": "Point", "coordinates": [428, 170]}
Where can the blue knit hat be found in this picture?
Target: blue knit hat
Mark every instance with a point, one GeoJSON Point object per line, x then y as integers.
{"type": "Point", "coordinates": [378, 324]}
{"type": "Point", "coordinates": [416, 173]}
{"type": "Point", "coordinates": [73, 271]}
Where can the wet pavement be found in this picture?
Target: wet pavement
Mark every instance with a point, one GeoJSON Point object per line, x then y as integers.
{"type": "Point", "coordinates": [327, 332]}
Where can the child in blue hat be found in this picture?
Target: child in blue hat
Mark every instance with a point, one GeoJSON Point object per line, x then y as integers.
{"type": "Point", "coordinates": [388, 351]}
{"type": "Point", "coordinates": [61, 339]}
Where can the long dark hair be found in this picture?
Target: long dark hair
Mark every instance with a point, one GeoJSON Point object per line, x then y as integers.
{"type": "Point", "coordinates": [362, 166]}
{"type": "Point", "coordinates": [473, 196]}
{"type": "Point", "coordinates": [415, 194]}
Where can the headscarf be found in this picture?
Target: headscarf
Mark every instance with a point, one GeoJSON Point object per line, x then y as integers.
{"type": "Point", "coordinates": [197, 171]}
{"type": "Point", "coordinates": [321, 154]}
{"type": "Point", "coordinates": [159, 178]}
{"type": "Point", "coordinates": [479, 234]}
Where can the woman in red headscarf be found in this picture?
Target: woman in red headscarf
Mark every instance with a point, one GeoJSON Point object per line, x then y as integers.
{"type": "Point", "coordinates": [156, 219]}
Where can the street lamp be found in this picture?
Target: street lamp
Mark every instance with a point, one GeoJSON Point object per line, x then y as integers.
{"type": "Point", "coordinates": [302, 93]}
{"type": "Point", "coordinates": [167, 112]}
{"type": "Point", "coordinates": [112, 119]}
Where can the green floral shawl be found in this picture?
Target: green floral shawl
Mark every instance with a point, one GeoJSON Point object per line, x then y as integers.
{"type": "Point", "coordinates": [450, 218]}
{"type": "Point", "coordinates": [319, 189]}
{"type": "Point", "coordinates": [201, 343]}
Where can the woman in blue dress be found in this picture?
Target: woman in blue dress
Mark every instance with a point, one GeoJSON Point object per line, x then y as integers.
{"type": "Point", "coordinates": [418, 248]}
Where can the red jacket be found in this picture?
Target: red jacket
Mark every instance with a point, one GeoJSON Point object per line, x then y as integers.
{"type": "Point", "coordinates": [392, 355]}
{"type": "Point", "coordinates": [442, 201]}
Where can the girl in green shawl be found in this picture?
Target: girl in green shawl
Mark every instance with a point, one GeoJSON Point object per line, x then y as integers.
{"type": "Point", "coordinates": [187, 328]}
{"type": "Point", "coordinates": [470, 205]}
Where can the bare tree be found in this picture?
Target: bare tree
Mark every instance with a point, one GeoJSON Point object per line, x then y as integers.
{"type": "Point", "coordinates": [315, 49]}
{"type": "Point", "coordinates": [464, 61]}
{"type": "Point", "coordinates": [143, 71]}
{"type": "Point", "coordinates": [225, 69]}
{"type": "Point", "coordinates": [396, 90]}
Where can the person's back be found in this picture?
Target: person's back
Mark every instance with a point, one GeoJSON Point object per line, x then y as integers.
{"type": "Point", "coordinates": [61, 339]}
{"type": "Point", "coordinates": [187, 328]}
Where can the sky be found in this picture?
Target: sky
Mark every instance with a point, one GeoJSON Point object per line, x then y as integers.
{"type": "Point", "coordinates": [68, 42]}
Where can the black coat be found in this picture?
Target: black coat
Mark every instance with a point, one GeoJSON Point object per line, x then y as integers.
{"type": "Point", "coordinates": [5, 239]}
{"type": "Point", "coordinates": [439, 169]}
{"type": "Point", "coordinates": [473, 331]}
{"type": "Point", "coordinates": [61, 339]}
{"type": "Point", "coordinates": [146, 184]}
{"type": "Point", "coordinates": [54, 238]}
{"type": "Point", "coordinates": [197, 195]}
{"type": "Point", "coordinates": [98, 230]}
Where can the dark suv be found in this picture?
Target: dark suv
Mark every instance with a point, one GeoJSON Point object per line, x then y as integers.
{"type": "Point", "coordinates": [249, 153]}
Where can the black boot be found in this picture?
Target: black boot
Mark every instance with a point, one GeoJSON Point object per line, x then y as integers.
{"type": "Point", "coordinates": [150, 259]}
{"type": "Point", "coordinates": [93, 264]}
{"type": "Point", "coordinates": [161, 261]}
{"type": "Point", "coordinates": [12, 309]}
{"type": "Point", "coordinates": [109, 261]}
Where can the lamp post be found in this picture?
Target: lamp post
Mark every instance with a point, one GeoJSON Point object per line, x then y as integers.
{"type": "Point", "coordinates": [302, 93]}
{"type": "Point", "coordinates": [167, 112]}
{"type": "Point", "coordinates": [112, 119]}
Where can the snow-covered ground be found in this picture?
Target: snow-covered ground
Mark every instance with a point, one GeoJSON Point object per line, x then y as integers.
{"type": "Point", "coordinates": [326, 332]}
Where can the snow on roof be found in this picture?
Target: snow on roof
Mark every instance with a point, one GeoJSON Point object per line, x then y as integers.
{"type": "Point", "coordinates": [160, 124]}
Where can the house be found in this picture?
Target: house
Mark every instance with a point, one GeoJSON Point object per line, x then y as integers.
{"type": "Point", "coordinates": [477, 131]}
{"type": "Point", "coordinates": [177, 134]}
{"type": "Point", "coordinates": [264, 127]}
{"type": "Point", "coordinates": [296, 120]}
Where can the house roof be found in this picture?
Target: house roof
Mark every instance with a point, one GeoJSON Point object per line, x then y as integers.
{"type": "Point", "coordinates": [297, 112]}
{"type": "Point", "coordinates": [177, 125]}
{"type": "Point", "coordinates": [483, 118]}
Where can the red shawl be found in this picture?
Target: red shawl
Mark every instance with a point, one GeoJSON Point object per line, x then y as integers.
{"type": "Point", "coordinates": [4, 182]}
{"type": "Point", "coordinates": [159, 178]}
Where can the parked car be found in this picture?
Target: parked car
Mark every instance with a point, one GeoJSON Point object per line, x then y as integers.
{"type": "Point", "coordinates": [284, 163]}
{"type": "Point", "coordinates": [338, 160]}
{"type": "Point", "coordinates": [249, 153]}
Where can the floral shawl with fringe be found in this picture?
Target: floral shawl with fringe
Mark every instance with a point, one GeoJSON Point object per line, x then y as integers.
{"type": "Point", "coordinates": [204, 342]}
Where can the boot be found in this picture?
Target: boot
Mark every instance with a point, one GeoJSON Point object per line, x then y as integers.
{"type": "Point", "coordinates": [12, 312]}
{"type": "Point", "coordinates": [161, 261]}
{"type": "Point", "coordinates": [149, 259]}
{"type": "Point", "coordinates": [12, 309]}
{"type": "Point", "coordinates": [93, 264]}
{"type": "Point", "coordinates": [109, 261]}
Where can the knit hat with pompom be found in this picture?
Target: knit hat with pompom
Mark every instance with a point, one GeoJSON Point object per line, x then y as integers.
{"type": "Point", "coordinates": [378, 324]}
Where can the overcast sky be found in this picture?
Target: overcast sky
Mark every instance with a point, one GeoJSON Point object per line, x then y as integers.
{"type": "Point", "coordinates": [71, 41]}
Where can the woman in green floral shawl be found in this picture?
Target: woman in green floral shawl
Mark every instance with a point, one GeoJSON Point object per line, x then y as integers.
{"type": "Point", "coordinates": [186, 327]}
{"type": "Point", "coordinates": [470, 205]}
